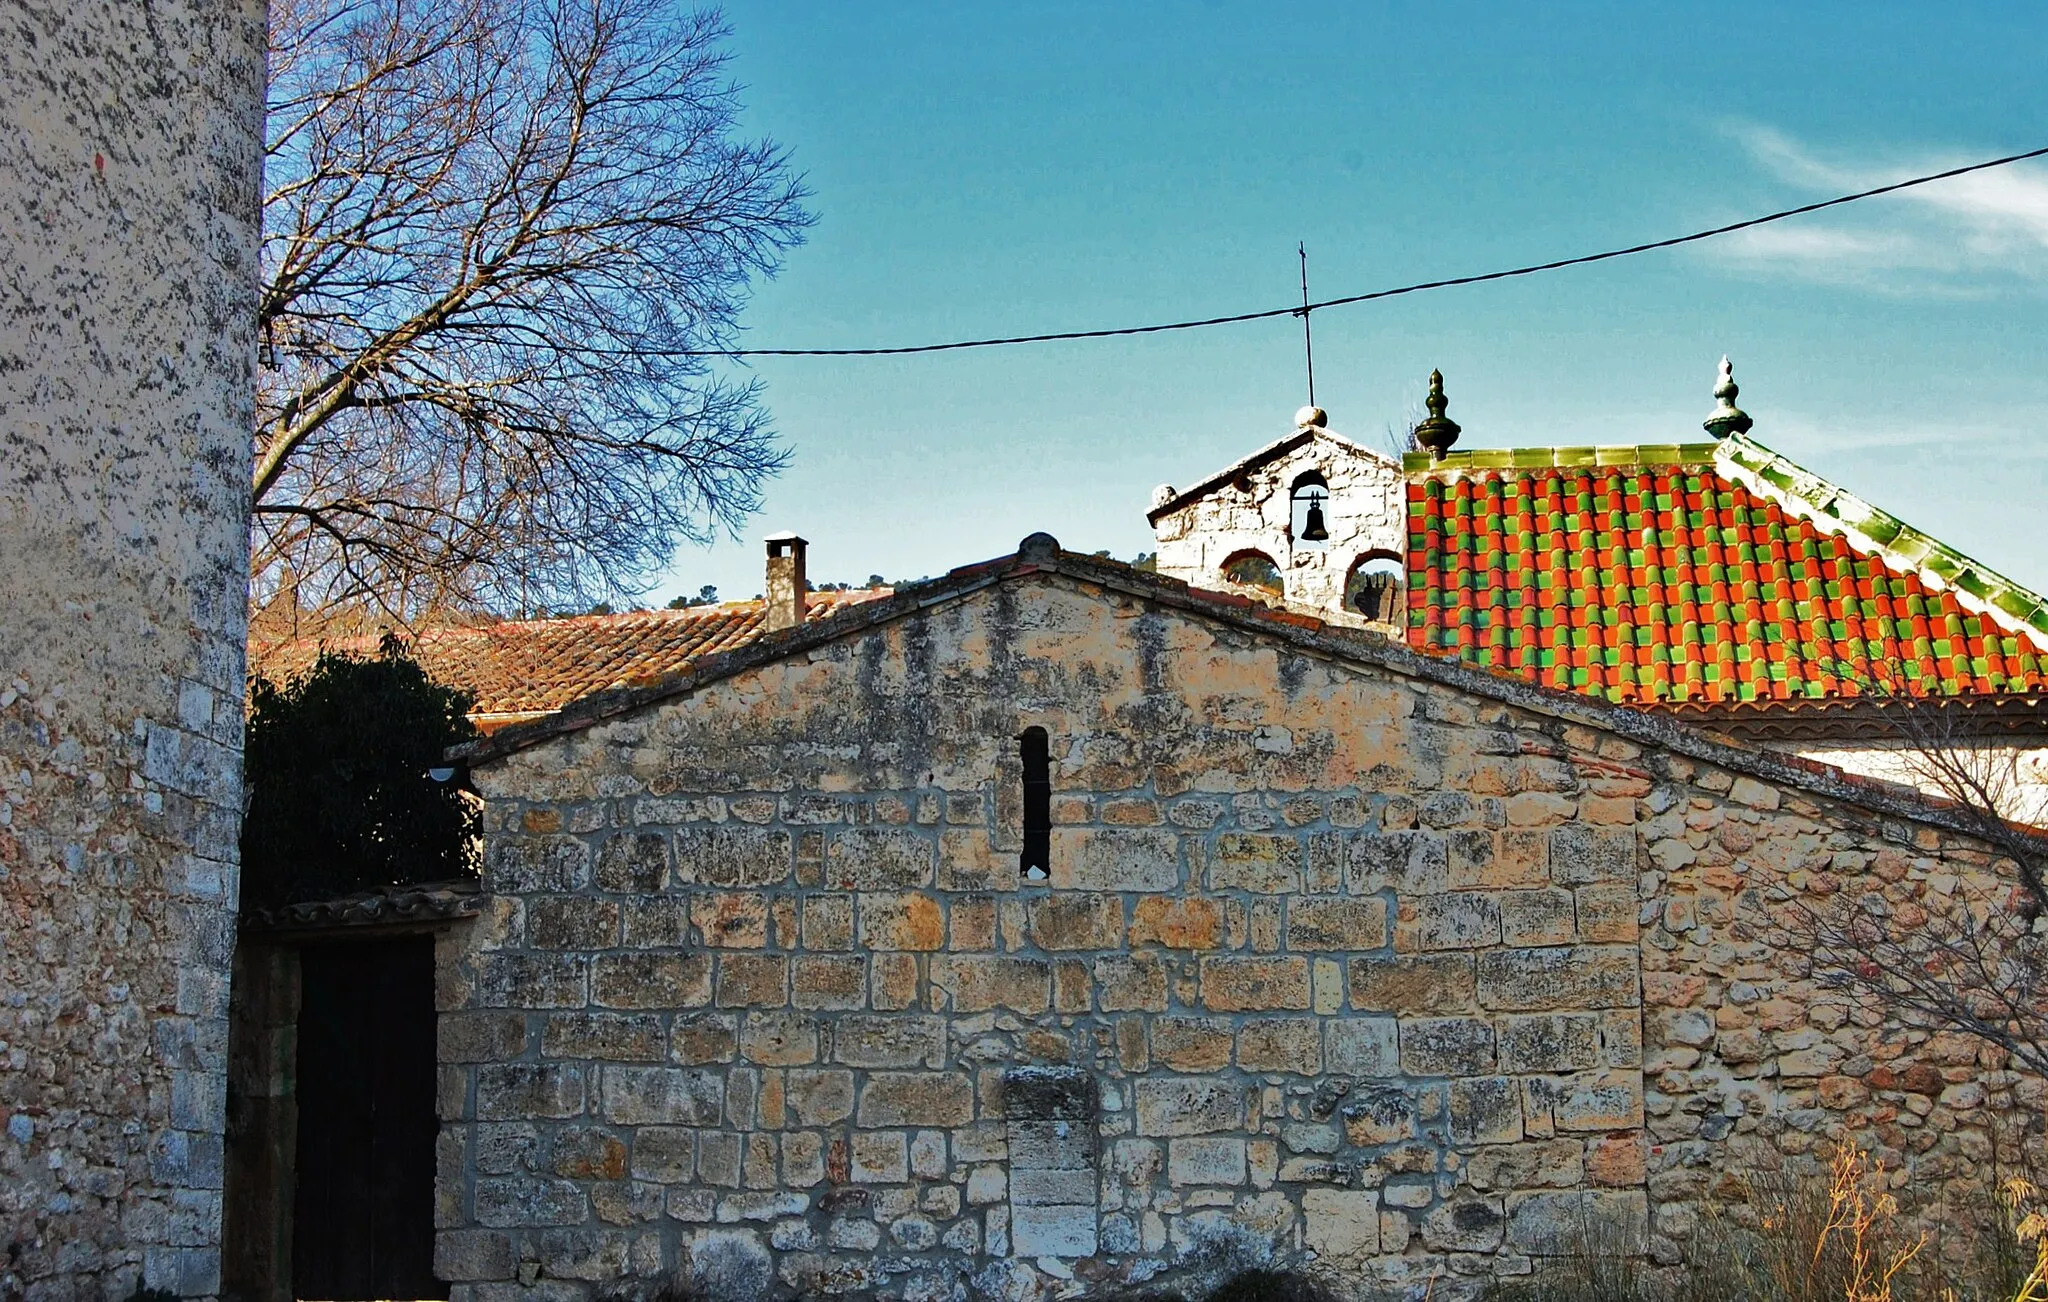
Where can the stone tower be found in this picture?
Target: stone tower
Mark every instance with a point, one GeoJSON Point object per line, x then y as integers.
{"type": "Point", "coordinates": [130, 169]}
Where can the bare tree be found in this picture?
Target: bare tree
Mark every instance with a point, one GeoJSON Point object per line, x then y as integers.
{"type": "Point", "coordinates": [1970, 956]}
{"type": "Point", "coordinates": [499, 238]}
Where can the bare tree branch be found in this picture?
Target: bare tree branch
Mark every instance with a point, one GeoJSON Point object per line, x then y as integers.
{"type": "Point", "coordinates": [495, 233]}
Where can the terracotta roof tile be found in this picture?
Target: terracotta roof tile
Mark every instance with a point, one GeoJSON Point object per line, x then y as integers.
{"type": "Point", "coordinates": [527, 667]}
{"type": "Point", "coordinates": [1675, 581]}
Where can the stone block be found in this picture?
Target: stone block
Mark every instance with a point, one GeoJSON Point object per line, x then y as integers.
{"type": "Point", "coordinates": [1130, 983]}
{"type": "Point", "coordinates": [1186, 922]}
{"type": "Point", "coordinates": [1191, 1044]}
{"type": "Point", "coordinates": [1251, 861]}
{"type": "Point", "coordinates": [1485, 1110]}
{"type": "Point", "coordinates": [518, 980]}
{"type": "Point", "coordinates": [733, 856]}
{"type": "Point", "coordinates": [901, 921]}
{"type": "Point", "coordinates": [819, 1096]}
{"type": "Point", "coordinates": [1336, 923]}
{"type": "Point", "coordinates": [976, 983]}
{"type": "Point", "coordinates": [1281, 1044]}
{"type": "Point", "coordinates": [1052, 1188]}
{"type": "Point", "coordinates": [468, 1256]}
{"type": "Point", "coordinates": [1051, 1145]}
{"type": "Point", "coordinates": [1178, 1106]}
{"type": "Point", "coordinates": [779, 1039]}
{"type": "Point", "coordinates": [641, 1096]}
{"type": "Point", "coordinates": [1467, 1223]}
{"type": "Point", "coordinates": [803, 1159]}
{"type": "Point", "coordinates": [696, 1039]}
{"type": "Point", "coordinates": [1053, 1231]}
{"type": "Point", "coordinates": [879, 859]}
{"type": "Point", "coordinates": [1533, 1163]}
{"type": "Point", "coordinates": [1540, 917]}
{"type": "Point", "coordinates": [828, 981]}
{"type": "Point", "coordinates": [1580, 853]}
{"type": "Point", "coordinates": [1408, 984]}
{"type": "Point", "coordinates": [1077, 921]}
{"type": "Point", "coordinates": [517, 1202]}
{"type": "Point", "coordinates": [1549, 1042]}
{"type": "Point", "coordinates": [572, 922]}
{"type": "Point", "coordinates": [536, 865]}
{"type": "Point", "coordinates": [899, 1040]}
{"type": "Point", "coordinates": [1341, 1225]}
{"type": "Point", "coordinates": [651, 979]}
{"type": "Point", "coordinates": [731, 919]}
{"type": "Point", "coordinates": [482, 1037]}
{"type": "Point", "coordinates": [1115, 859]}
{"type": "Point", "coordinates": [1050, 1094]}
{"type": "Point", "coordinates": [522, 1091]}
{"type": "Point", "coordinates": [1540, 980]}
{"type": "Point", "coordinates": [973, 924]}
{"type": "Point", "coordinates": [1607, 1100]}
{"type": "Point", "coordinates": [1608, 913]}
{"type": "Point", "coordinates": [928, 1155]}
{"type": "Point", "coordinates": [1446, 1046]}
{"type": "Point", "coordinates": [1409, 862]}
{"type": "Point", "coordinates": [920, 1098]}
{"type": "Point", "coordinates": [880, 1157]}
{"type": "Point", "coordinates": [618, 1037]}
{"type": "Point", "coordinates": [1236, 984]}
{"type": "Point", "coordinates": [1207, 1159]}
{"type": "Point", "coordinates": [893, 981]}
{"type": "Point", "coordinates": [828, 922]}
{"type": "Point", "coordinates": [1361, 1046]}
{"type": "Point", "coordinates": [1564, 1222]}
{"type": "Point", "coordinates": [664, 1154]}
{"type": "Point", "coordinates": [633, 863]}
{"type": "Point", "coordinates": [658, 923]}
{"type": "Point", "coordinates": [753, 981]}
{"type": "Point", "coordinates": [968, 861]}
{"type": "Point", "coordinates": [1456, 920]}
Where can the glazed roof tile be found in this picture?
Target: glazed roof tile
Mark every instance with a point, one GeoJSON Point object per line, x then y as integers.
{"type": "Point", "coordinates": [523, 668]}
{"type": "Point", "coordinates": [1698, 574]}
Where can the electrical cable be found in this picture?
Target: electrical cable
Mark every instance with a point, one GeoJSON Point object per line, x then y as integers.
{"type": "Point", "coordinates": [1270, 313]}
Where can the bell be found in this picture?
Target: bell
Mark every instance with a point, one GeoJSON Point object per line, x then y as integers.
{"type": "Point", "coordinates": [1312, 530]}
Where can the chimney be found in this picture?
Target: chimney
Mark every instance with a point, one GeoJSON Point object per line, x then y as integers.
{"type": "Point", "coordinates": [785, 580]}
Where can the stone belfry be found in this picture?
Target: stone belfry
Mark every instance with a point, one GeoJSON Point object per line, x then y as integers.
{"type": "Point", "coordinates": [1311, 520]}
{"type": "Point", "coordinates": [130, 169]}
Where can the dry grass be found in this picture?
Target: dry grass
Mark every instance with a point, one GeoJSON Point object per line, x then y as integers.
{"type": "Point", "coordinates": [1842, 1238]}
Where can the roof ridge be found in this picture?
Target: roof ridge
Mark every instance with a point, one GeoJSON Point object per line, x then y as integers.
{"type": "Point", "coordinates": [1561, 457]}
{"type": "Point", "coordinates": [1776, 477]}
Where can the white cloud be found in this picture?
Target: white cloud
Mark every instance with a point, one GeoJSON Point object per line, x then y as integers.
{"type": "Point", "coordinates": [1964, 236]}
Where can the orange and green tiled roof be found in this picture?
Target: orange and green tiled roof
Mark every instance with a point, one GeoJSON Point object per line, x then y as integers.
{"type": "Point", "coordinates": [1702, 573]}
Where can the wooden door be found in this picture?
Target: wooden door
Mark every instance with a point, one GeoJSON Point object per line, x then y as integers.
{"type": "Point", "coordinates": [363, 1214]}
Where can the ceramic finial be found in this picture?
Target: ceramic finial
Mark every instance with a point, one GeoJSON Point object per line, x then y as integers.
{"type": "Point", "coordinates": [1437, 431]}
{"type": "Point", "coordinates": [1727, 418]}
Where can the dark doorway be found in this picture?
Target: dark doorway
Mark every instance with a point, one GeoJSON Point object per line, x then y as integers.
{"type": "Point", "coordinates": [363, 1215]}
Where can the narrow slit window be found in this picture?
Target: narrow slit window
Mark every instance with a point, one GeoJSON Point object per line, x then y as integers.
{"type": "Point", "coordinates": [1036, 861]}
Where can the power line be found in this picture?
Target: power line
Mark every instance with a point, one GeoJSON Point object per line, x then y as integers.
{"type": "Point", "coordinates": [1307, 307]}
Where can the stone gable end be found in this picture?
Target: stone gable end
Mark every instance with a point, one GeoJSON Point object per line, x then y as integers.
{"type": "Point", "coordinates": [1351, 962]}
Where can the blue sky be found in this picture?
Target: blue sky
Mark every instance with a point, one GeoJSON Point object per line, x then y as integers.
{"type": "Point", "coordinates": [984, 169]}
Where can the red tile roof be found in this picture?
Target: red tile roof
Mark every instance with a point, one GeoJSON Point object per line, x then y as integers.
{"type": "Point", "coordinates": [1673, 580]}
{"type": "Point", "coordinates": [528, 667]}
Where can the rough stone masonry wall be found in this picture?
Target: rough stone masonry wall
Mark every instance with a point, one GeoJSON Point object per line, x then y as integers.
{"type": "Point", "coordinates": [1329, 960]}
{"type": "Point", "coordinates": [129, 166]}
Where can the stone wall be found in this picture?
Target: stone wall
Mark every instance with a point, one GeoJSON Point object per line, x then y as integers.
{"type": "Point", "coordinates": [129, 171]}
{"type": "Point", "coordinates": [1336, 958]}
{"type": "Point", "coordinates": [1367, 512]}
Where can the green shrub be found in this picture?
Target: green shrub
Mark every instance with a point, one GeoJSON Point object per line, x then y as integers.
{"type": "Point", "coordinates": [340, 796]}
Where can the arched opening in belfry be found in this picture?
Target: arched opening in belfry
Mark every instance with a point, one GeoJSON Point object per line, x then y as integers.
{"type": "Point", "coordinates": [1374, 586]}
{"type": "Point", "coordinates": [1252, 569]}
{"type": "Point", "coordinates": [1309, 503]}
